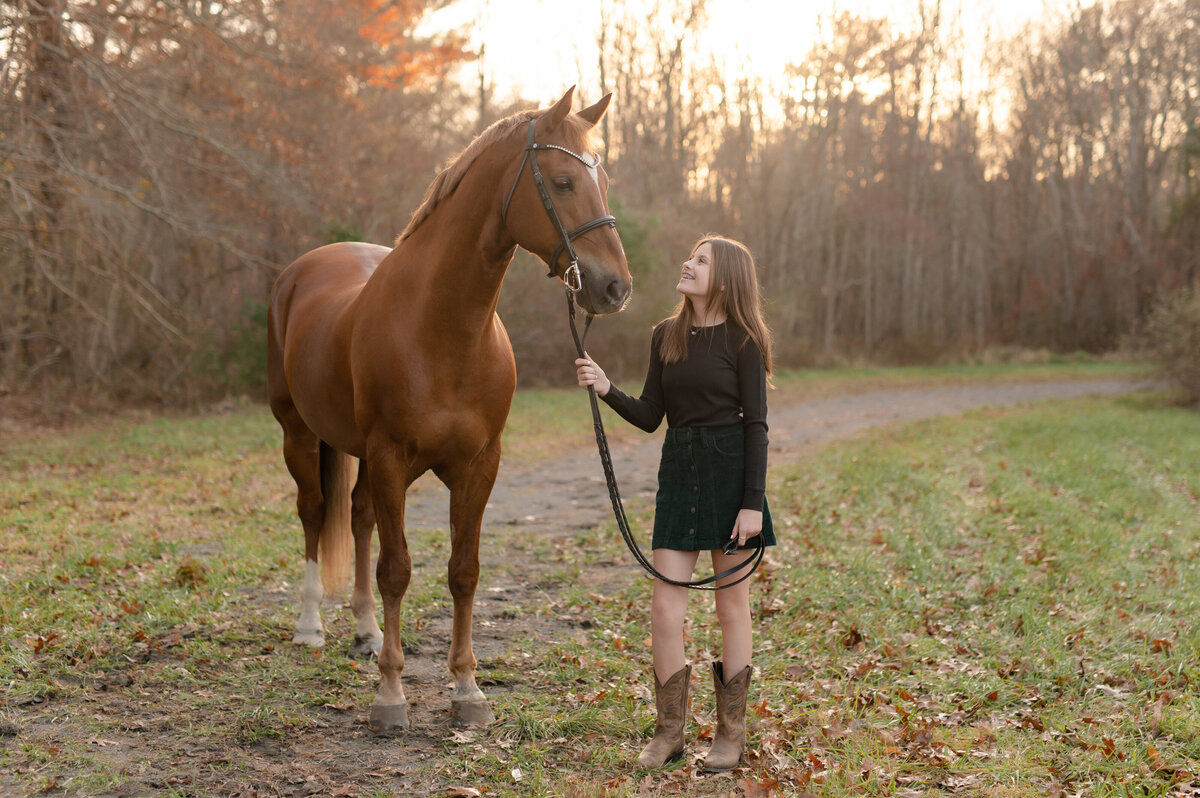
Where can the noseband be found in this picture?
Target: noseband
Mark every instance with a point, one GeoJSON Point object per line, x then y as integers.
{"type": "Point", "coordinates": [570, 276]}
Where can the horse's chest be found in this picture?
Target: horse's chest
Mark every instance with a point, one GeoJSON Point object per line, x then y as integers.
{"type": "Point", "coordinates": [441, 404]}
{"type": "Point", "coordinates": [443, 421]}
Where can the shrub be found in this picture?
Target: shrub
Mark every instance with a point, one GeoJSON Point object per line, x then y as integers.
{"type": "Point", "coordinates": [232, 361]}
{"type": "Point", "coordinates": [1169, 339]}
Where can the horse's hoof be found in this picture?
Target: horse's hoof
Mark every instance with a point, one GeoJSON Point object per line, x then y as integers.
{"type": "Point", "coordinates": [310, 637]}
{"type": "Point", "coordinates": [389, 718]}
{"type": "Point", "coordinates": [471, 712]}
{"type": "Point", "coordinates": [366, 646]}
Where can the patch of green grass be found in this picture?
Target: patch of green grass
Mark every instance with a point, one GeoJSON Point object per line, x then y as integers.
{"type": "Point", "coordinates": [1027, 576]}
{"type": "Point", "coordinates": [831, 382]}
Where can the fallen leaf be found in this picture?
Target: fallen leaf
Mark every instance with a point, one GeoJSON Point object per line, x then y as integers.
{"type": "Point", "coordinates": [852, 638]}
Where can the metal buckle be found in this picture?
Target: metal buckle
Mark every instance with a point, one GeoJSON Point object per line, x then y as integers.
{"type": "Point", "coordinates": [572, 278]}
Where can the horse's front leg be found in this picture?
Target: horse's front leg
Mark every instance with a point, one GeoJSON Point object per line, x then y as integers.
{"type": "Point", "coordinates": [389, 479]}
{"type": "Point", "coordinates": [368, 638]}
{"type": "Point", "coordinates": [470, 486]}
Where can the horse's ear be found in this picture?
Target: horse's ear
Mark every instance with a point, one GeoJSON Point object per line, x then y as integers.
{"type": "Point", "coordinates": [559, 112]}
{"type": "Point", "coordinates": [593, 112]}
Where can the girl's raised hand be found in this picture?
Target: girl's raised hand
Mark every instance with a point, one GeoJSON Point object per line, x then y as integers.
{"type": "Point", "coordinates": [589, 373]}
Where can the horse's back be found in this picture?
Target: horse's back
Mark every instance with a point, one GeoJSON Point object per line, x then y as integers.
{"type": "Point", "coordinates": [322, 280]}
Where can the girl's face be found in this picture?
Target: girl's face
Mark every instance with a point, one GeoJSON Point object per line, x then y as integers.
{"type": "Point", "coordinates": [695, 278]}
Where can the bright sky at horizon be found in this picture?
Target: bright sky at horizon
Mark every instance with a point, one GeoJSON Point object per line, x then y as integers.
{"type": "Point", "coordinates": [538, 48]}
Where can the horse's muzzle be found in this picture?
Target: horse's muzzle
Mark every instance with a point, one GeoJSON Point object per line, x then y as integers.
{"type": "Point", "coordinates": [604, 292]}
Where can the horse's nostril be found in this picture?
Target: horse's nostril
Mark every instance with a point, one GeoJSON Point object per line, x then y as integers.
{"type": "Point", "coordinates": [617, 292]}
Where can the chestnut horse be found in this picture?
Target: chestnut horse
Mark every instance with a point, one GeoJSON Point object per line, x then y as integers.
{"type": "Point", "coordinates": [396, 357]}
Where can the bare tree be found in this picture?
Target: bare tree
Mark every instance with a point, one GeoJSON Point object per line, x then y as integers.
{"type": "Point", "coordinates": [165, 159]}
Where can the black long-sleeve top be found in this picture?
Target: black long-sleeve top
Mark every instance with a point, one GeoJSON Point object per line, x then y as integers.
{"type": "Point", "coordinates": [722, 381]}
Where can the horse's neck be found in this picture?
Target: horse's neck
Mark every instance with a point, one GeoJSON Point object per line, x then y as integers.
{"type": "Point", "coordinates": [450, 269]}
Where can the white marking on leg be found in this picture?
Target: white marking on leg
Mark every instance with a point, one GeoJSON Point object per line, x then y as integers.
{"type": "Point", "coordinates": [310, 631]}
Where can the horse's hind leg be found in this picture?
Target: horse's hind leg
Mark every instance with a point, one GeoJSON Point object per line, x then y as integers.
{"type": "Point", "coordinates": [470, 486]}
{"type": "Point", "coordinates": [368, 638]}
{"type": "Point", "coordinates": [301, 452]}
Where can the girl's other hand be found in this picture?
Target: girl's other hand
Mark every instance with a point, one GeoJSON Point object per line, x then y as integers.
{"type": "Point", "coordinates": [748, 524]}
{"type": "Point", "coordinates": [589, 373]}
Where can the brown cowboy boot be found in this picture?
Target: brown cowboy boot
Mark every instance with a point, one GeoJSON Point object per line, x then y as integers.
{"type": "Point", "coordinates": [730, 739]}
{"type": "Point", "coordinates": [671, 701]}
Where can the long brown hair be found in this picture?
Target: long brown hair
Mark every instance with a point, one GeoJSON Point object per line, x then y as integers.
{"type": "Point", "coordinates": [733, 288]}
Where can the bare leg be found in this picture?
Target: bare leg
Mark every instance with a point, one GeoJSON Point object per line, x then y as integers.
{"type": "Point", "coordinates": [470, 487]}
{"type": "Point", "coordinates": [733, 614]}
{"type": "Point", "coordinates": [668, 610]}
{"type": "Point", "coordinates": [368, 638]}
{"type": "Point", "coordinates": [672, 676]}
{"type": "Point", "coordinates": [389, 481]}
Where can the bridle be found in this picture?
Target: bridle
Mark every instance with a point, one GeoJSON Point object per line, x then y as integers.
{"type": "Point", "coordinates": [570, 276]}
{"type": "Point", "coordinates": [574, 281]}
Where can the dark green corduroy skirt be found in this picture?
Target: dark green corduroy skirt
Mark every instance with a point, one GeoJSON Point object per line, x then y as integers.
{"type": "Point", "coordinates": [701, 479]}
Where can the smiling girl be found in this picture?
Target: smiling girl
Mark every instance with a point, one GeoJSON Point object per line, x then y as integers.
{"type": "Point", "coordinates": [709, 366]}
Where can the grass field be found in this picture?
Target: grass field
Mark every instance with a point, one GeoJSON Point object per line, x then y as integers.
{"type": "Point", "coordinates": [998, 604]}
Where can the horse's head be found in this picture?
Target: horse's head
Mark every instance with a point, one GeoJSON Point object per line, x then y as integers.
{"type": "Point", "coordinates": [559, 210]}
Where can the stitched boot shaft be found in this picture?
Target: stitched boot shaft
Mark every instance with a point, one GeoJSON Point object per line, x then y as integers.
{"type": "Point", "coordinates": [671, 702]}
{"type": "Point", "coordinates": [730, 739]}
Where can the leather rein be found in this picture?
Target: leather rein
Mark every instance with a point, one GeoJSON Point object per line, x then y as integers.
{"type": "Point", "coordinates": [573, 282]}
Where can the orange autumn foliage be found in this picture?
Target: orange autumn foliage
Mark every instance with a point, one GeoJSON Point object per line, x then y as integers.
{"type": "Point", "coordinates": [390, 27]}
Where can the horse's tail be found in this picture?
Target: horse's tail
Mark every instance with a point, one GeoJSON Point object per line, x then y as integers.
{"type": "Point", "coordinates": [335, 540]}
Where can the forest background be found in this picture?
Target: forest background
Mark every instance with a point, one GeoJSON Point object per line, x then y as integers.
{"type": "Point", "coordinates": [160, 162]}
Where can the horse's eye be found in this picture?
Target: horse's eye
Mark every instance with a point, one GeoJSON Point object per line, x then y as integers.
{"type": "Point", "coordinates": [564, 184]}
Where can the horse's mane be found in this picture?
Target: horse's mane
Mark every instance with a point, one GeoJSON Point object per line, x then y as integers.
{"type": "Point", "coordinates": [452, 173]}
